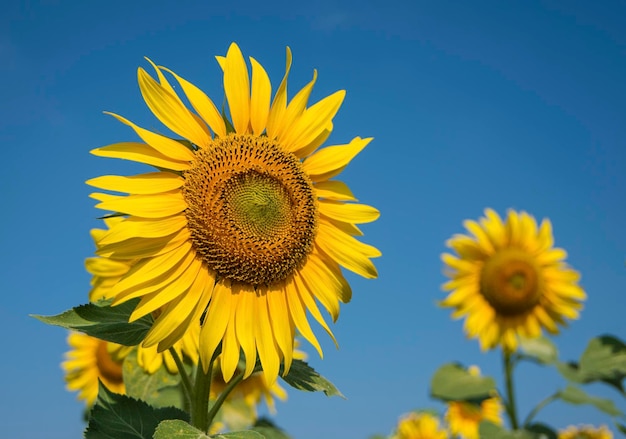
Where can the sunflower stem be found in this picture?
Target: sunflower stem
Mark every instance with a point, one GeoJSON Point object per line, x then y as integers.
{"type": "Point", "coordinates": [511, 407]}
{"type": "Point", "coordinates": [220, 399]}
{"type": "Point", "coordinates": [539, 407]}
{"type": "Point", "coordinates": [187, 386]}
{"type": "Point", "coordinates": [200, 402]}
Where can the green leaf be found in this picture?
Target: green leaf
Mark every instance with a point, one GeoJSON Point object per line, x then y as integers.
{"type": "Point", "coordinates": [178, 429]}
{"type": "Point", "coordinates": [303, 377]}
{"type": "Point", "coordinates": [540, 349]}
{"type": "Point", "coordinates": [542, 431]}
{"type": "Point", "coordinates": [104, 321]}
{"type": "Point", "coordinates": [575, 395]}
{"type": "Point", "coordinates": [604, 360]}
{"type": "Point", "coordinates": [452, 382]}
{"type": "Point", "coordinates": [570, 371]}
{"type": "Point", "coordinates": [488, 430]}
{"type": "Point", "coordinates": [244, 434]}
{"type": "Point", "coordinates": [269, 430]}
{"type": "Point", "coordinates": [159, 389]}
{"type": "Point", "coordinates": [621, 428]}
{"type": "Point", "coordinates": [122, 417]}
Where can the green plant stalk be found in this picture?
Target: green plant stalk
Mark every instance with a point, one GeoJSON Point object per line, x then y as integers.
{"type": "Point", "coordinates": [538, 407]}
{"type": "Point", "coordinates": [187, 386]}
{"type": "Point", "coordinates": [220, 399]}
{"type": "Point", "coordinates": [511, 407]}
{"type": "Point", "coordinates": [200, 401]}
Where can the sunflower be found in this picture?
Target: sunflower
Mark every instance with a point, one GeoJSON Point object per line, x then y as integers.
{"type": "Point", "coordinates": [509, 280]}
{"type": "Point", "coordinates": [105, 274]}
{"type": "Point", "coordinates": [419, 426]}
{"type": "Point", "coordinates": [241, 225]}
{"type": "Point", "coordinates": [90, 360]}
{"type": "Point", "coordinates": [463, 418]}
{"type": "Point", "coordinates": [585, 432]}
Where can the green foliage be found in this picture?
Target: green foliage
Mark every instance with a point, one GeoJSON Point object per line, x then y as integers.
{"type": "Point", "coordinates": [104, 321]}
{"type": "Point", "coordinates": [269, 431]}
{"type": "Point", "coordinates": [122, 417]}
{"type": "Point", "coordinates": [542, 431]}
{"type": "Point", "coordinates": [540, 350]}
{"type": "Point", "coordinates": [301, 376]}
{"type": "Point", "coordinates": [245, 434]}
{"type": "Point", "coordinates": [575, 395]}
{"type": "Point", "coordinates": [604, 360]}
{"type": "Point", "coordinates": [452, 382]}
{"type": "Point", "coordinates": [159, 389]}
{"type": "Point", "coordinates": [488, 430]}
{"type": "Point", "coordinates": [177, 429]}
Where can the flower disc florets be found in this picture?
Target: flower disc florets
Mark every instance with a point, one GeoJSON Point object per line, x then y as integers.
{"type": "Point", "coordinates": [252, 211]}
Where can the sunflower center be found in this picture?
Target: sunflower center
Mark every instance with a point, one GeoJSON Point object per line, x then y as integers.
{"type": "Point", "coordinates": [510, 282]}
{"type": "Point", "coordinates": [108, 368]}
{"type": "Point", "coordinates": [251, 210]}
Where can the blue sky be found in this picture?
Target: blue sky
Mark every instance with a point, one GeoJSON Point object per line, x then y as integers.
{"type": "Point", "coordinates": [518, 104]}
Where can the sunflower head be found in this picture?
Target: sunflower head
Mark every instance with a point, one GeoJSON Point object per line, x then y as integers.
{"type": "Point", "coordinates": [242, 225]}
{"type": "Point", "coordinates": [585, 432]}
{"type": "Point", "coordinates": [419, 426]}
{"type": "Point", "coordinates": [90, 360]}
{"type": "Point", "coordinates": [509, 281]}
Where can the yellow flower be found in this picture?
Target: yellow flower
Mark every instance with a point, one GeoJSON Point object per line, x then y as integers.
{"type": "Point", "coordinates": [90, 360]}
{"type": "Point", "coordinates": [241, 225]}
{"type": "Point", "coordinates": [509, 281]}
{"type": "Point", "coordinates": [464, 418]}
{"type": "Point", "coordinates": [108, 272]}
{"type": "Point", "coordinates": [419, 426]}
{"type": "Point", "coordinates": [585, 432]}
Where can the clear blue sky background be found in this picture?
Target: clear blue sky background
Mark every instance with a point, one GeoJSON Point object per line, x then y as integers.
{"type": "Point", "coordinates": [516, 104]}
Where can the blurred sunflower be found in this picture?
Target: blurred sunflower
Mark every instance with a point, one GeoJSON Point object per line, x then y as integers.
{"type": "Point", "coordinates": [241, 224]}
{"type": "Point", "coordinates": [464, 418]}
{"type": "Point", "coordinates": [419, 426]}
{"type": "Point", "coordinates": [585, 432]}
{"type": "Point", "coordinates": [509, 280]}
{"type": "Point", "coordinates": [106, 273]}
{"type": "Point", "coordinates": [90, 360]}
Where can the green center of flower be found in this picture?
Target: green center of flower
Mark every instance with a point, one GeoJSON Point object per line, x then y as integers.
{"type": "Point", "coordinates": [251, 211]}
{"type": "Point", "coordinates": [510, 282]}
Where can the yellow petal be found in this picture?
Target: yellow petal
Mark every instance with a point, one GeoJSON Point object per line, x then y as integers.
{"type": "Point", "coordinates": [244, 327]}
{"type": "Point", "coordinates": [347, 251]}
{"type": "Point", "coordinates": [166, 146]}
{"type": "Point", "coordinates": [202, 104]}
{"type": "Point", "coordinates": [260, 99]}
{"type": "Point", "coordinates": [330, 161]}
{"type": "Point", "coordinates": [237, 88]}
{"type": "Point", "coordinates": [279, 104]}
{"type": "Point", "coordinates": [135, 248]}
{"type": "Point", "coordinates": [230, 345]}
{"type": "Point", "coordinates": [322, 283]}
{"type": "Point", "coordinates": [308, 302]}
{"type": "Point", "coordinates": [349, 213]}
{"type": "Point", "coordinates": [151, 183]}
{"type": "Point", "coordinates": [295, 108]}
{"type": "Point", "coordinates": [134, 227]}
{"type": "Point", "coordinates": [215, 322]}
{"type": "Point", "coordinates": [145, 206]}
{"type": "Point", "coordinates": [312, 122]}
{"type": "Point", "coordinates": [266, 345]}
{"type": "Point", "coordinates": [170, 110]}
{"type": "Point", "coordinates": [140, 152]}
{"type": "Point", "coordinates": [106, 267]}
{"type": "Point", "coordinates": [282, 325]}
{"type": "Point", "coordinates": [334, 190]}
{"type": "Point", "coordinates": [297, 312]}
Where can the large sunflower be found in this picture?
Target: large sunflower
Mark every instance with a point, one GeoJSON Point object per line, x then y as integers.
{"type": "Point", "coordinates": [90, 360]}
{"type": "Point", "coordinates": [241, 224]}
{"type": "Point", "coordinates": [509, 280]}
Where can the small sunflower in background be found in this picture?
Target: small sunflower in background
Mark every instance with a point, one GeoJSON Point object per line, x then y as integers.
{"type": "Point", "coordinates": [419, 426]}
{"type": "Point", "coordinates": [585, 432]}
{"type": "Point", "coordinates": [242, 223]}
{"type": "Point", "coordinates": [90, 360]}
{"type": "Point", "coordinates": [509, 280]}
{"type": "Point", "coordinates": [463, 418]}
